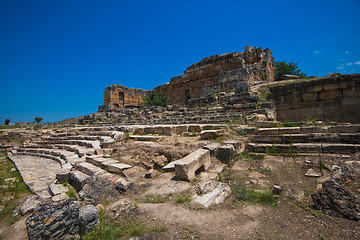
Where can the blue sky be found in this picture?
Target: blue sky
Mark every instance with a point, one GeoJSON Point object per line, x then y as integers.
{"type": "Point", "coordinates": [57, 57]}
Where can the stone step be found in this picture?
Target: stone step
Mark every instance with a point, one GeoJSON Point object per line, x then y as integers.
{"type": "Point", "coordinates": [57, 159]}
{"type": "Point", "coordinates": [145, 138]}
{"type": "Point", "coordinates": [350, 138]}
{"type": "Point", "coordinates": [108, 164]}
{"type": "Point", "coordinates": [187, 167]}
{"type": "Point", "coordinates": [53, 152]}
{"type": "Point", "coordinates": [337, 148]}
{"type": "Point", "coordinates": [354, 128]}
{"type": "Point", "coordinates": [87, 144]}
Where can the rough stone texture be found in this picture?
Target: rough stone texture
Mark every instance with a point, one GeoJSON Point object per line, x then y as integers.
{"type": "Point", "coordinates": [88, 218]}
{"type": "Point", "coordinates": [117, 97]}
{"type": "Point", "coordinates": [226, 153]}
{"type": "Point", "coordinates": [186, 168]}
{"type": "Point", "coordinates": [57, 220]}
{"type": "Point", "coordinates": [333, 98]}
{"type": "Point", "coordinates": [336, 200]}
{"type": "Point", "coordinates": [210, 134]}
{"type": "Point", "coordinates": [27, 205]}
{"type": "Point", "coordinates": [122, 184]}
{"type": "Point", "coordinates": [228, 72]}
{"type": "Point", "coordinates": [211, 193]}
{"type": "Point", "coordinates": [220, 74]}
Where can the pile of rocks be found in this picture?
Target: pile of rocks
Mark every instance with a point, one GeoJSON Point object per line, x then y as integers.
{"type": "Point", "coordinates": [61, 220]}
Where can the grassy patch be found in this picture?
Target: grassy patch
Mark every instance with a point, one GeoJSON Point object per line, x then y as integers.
{"type": "Point", "coordinates": [12, 188]}
{"type": "Point", "coordinates": [155, 198]}
{"type": "Point", "coordinates": [272, 151]}
{"type": "Point", "coordinates": [183, 198]}
{"type": "Point", "coordinates": [265, 171]}
{"type": "Point", "coordinates": [250, 156]}
{"type": "Point", "coordinates": [241, 193]}
{"type": "Point", "coordinates": [9, 126]}
{"type": "Point", "coordinates": [125, 229]}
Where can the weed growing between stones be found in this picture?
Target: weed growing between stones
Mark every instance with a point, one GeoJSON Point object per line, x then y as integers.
{"type": "Point", "coordinates": [272, 151]}
{"type": "Point", "coordinates": [183, 198]}
{"type": "Point", "coordinates": [155, 198]}
{"type": "Point", "coordinates": [250, 156]}
{"type": "Point", "coordinates": [241, 193]}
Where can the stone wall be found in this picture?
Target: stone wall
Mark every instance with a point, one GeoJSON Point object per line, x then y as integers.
{"type": "Point", "coordinates": [332, 98]}
{"type": "Point", "coordinates": [220, 74]}
{"type": "Point", "coordinates": [117, 97]}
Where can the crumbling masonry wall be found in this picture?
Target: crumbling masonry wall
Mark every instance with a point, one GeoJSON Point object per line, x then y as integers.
{"type": "Point", "coordinates": [327, 99]}
{"type": "Point", "coordinates": [117, 97]}
{"type": "Point", "coordinates": [220, 74]}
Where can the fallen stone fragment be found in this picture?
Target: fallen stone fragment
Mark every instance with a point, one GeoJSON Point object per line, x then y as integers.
{"type": "Point", "coordinates": [226, 153]}
{"type": "Point", "coordinates": [187, 167]}
{"type": "Point", "coordinates": [56, 220]}
{"type": "Point", "coordinates": [56, 189]}
{"type": "Point", "coordinates": [27, 205]}
{"type": "Point", "coordinates": [88, 218]}
{"type": "Point", "coordinates": [122, 184]}
{"type": "Point", "coordinates": [312, 173]}
{"type": "Point", "coordinates": [336, 200]}
{"type": "Point", "coordinates": [211, 193]}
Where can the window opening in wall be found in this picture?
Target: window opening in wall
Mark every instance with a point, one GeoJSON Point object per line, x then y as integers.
{"type": "Point", "coordinates": [121, 98]}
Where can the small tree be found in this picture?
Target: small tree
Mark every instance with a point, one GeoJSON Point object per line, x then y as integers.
{"type": "Point", "coordinates": [282, 68]}
{"type": "Point", "coordinates": [38, 119]}
{"type": "Point", "coordinates": [156, 99]}
{"type": "Point", "coordinates": [7, 121]}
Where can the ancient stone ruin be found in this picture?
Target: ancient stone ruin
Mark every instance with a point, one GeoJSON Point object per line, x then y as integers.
{"type": "Point", "coordinates": [225, 73]}
{"type": "Point", "coordinates": [212, 75]}
{"type": "Point", "coordinates": [228, 132]}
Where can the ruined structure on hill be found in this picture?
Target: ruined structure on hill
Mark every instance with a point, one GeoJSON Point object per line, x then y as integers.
{"type": "Point", "coordinates": [117, 97]}
{"type": "Point", "coordinates": [228, 72]}
{"type": "Point", "coordinates": [232, 71]}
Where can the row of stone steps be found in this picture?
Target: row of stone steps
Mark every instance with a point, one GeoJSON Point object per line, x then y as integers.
{"type": "Point", "coordinates": [76, 153]}
{"type": "Point", "coordinates": [338, 139]}
{"type": "Point", "coordinates": [349, 138]}
{"type": "Point", "coordinates": [303, 148]}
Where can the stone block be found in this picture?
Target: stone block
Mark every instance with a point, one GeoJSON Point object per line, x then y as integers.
{"type": "Point", "coordinates": [318, 88]}
{"type": "Point", "coordinates": [293, 97]}
{"type": "Point", "coordinates": [88, 218]}
{"type": "Point", "coordinates": [210, 134]}
{"type": "Point", "coordinates": [187, 167]}
{"type": "Point", "coordinates": [330, 94]}
{"type": "Point", "coordinates": [78, 179]}
{"type": "Point", "coordinates": [56, 189]}
{"type": "Point", "coordinates": [238, 145]}
{"type": "Point", "coordinates": [226, 153]}
{"type": "Point", "coordinates": [213, 148]}
{"type": "Point", "coordinates": [344, 85]}
{"type": "Point", "coordinates": [181, 129]}
{"type": "Point", "coordinates": [194, 128]}
{"type": "Point", "coordinates": [312, 112]}
{"type": "Point", "coordinates": [292, 115]}
{"type": "Point", "coordinates": [211, 193]}
{"type": "Point", "coordinates": [308, 97]}
{"type": "Point", "coordinates": [331, 86]}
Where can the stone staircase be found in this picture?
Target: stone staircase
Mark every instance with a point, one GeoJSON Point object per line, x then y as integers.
{"type": "Point", "coordinates": [338, 139]}
{"type": "Point", "coordinates": [73, 155]}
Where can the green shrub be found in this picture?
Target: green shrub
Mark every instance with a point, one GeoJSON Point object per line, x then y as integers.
{"type": "Point", "coordinates": [156, 99]}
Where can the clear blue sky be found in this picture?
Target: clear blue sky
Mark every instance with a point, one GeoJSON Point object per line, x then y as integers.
{"type": "Point", "coordinates": [57, 57]}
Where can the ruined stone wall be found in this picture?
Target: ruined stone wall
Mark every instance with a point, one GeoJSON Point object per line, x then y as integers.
{"type": "Point", "coordinates": [220, 74]}
{"type": "Point", "coordinates": [332, 98]}
{"type": "Point", "coordinates": [117, 97]}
